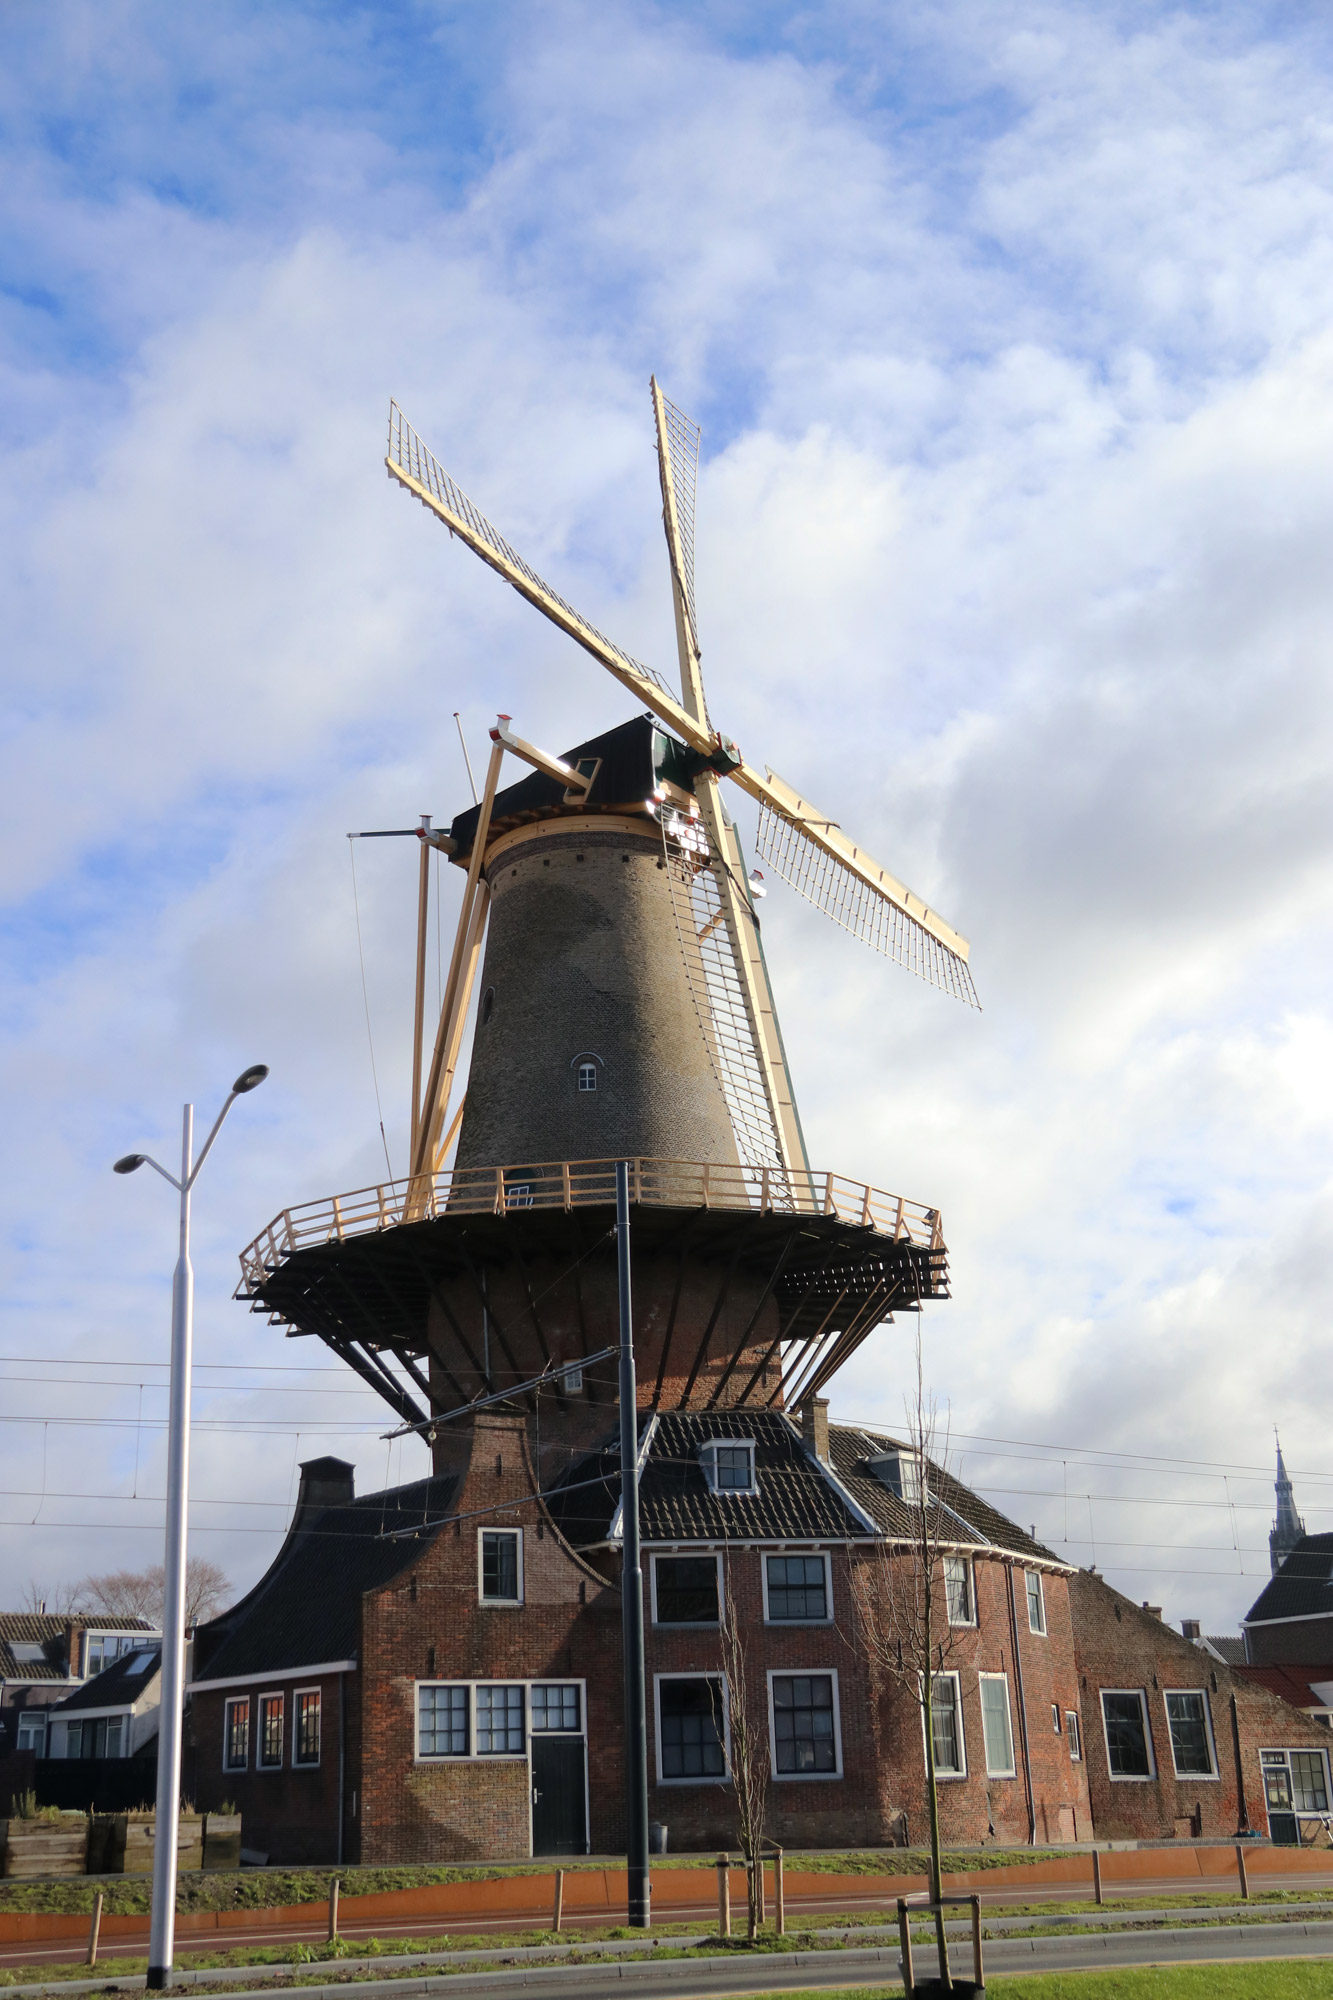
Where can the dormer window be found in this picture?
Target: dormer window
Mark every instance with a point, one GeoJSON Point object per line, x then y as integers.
{"type": "Point", "coordinates": [728, 1465]}
{"type": "Point", "coordinates": [587, 1076]}
{"type": "Point", "coordinates": [900, 1472]}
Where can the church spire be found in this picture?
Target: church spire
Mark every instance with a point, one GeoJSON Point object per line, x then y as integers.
{"type": "Point", "coordinates": [1288, 1528]}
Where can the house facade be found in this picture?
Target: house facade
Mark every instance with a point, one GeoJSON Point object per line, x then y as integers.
{"type": "Point", "coordinates": [44, 1656]}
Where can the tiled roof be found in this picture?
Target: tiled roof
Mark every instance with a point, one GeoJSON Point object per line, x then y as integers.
{"type": "Point", "coordinates": [1294, 1684]}
{"type": "Point", "coordinates": [796, 1501]}
{"type": "Point", "coordinates": [307, 1608]}
{"type": "Point", "coordinates": [964, 1517]}
{"type": "Point", "coordinates": [1302, 1588]}
{"type": "Point", "coordinates": [1228, 1646]}
{"type": "Point", "coordinates": [50, 1630]}
{"type": "Point", "coordinates": [117, 1686]}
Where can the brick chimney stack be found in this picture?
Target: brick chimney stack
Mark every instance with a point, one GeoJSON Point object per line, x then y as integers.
{"type": "Point", "coordinates": [814, 1427]}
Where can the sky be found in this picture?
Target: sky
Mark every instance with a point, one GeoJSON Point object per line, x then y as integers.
{"type": "Point", "coordinates": [1009, 328]}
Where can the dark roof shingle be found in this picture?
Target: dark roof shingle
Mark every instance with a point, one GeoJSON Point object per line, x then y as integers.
{"type": "Point", "coordinates": [1302, 1588]}
{"type": "Point", "coordinates": [117, 1686]}
{"type": "Point", "coordinates": [307, 1608]}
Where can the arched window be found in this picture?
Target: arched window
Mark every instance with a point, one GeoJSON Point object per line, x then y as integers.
{"type": "Point", "coordinates": [586, 1069]}
{"type": "Point", "coordinates": [587, 1076]}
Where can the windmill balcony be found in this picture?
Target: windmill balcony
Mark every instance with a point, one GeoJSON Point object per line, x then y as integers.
{"type": "Point", "coordinates": [572, 1184]}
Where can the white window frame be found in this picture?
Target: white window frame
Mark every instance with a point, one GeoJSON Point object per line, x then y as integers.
{"type": "Point", "coordinates": [33, 1723]}
{"type": "Point", "coordinates": [768, 1555]}
{"type": "Point", "coordinates": [1285, 1750]}
{"type": "Point", "coordinates": [300, 1763]}
{"type": "Point", "coordinates": [803, 1777]}
{"type": "Point", "coordinates": [698, 1674]}
{"type": "Point", "coordinates": [960, 1624]}
{"type": "Point", "coordinates": [234, 1701]}
{"type": "Point", "coordinates": [1212, 1776]}
{"type": "Point", "coordinates": [1147, 1777]}
{"type": "Point", "coordinates": [688, 1555]}
{"type": "Point", "coordinates": [1074, 1735]}
{"type": "Point", "coordinates": [269, 1694]}
{"type": "Point", "coordinates": [498, 1603]}
{"type": "Point", "coordinates": [583, 1072]}
{"type": "Point", "coordinates": [1003, 1679]}
{"type": "Point", "coordinates": [474, 1756]}
{"type": "Point", "coordinates": [1029, 1575]}
{"type": "Point", "coordinates": [946, 1777]}
{"type": "Point", "coordinates": [708, 1460]}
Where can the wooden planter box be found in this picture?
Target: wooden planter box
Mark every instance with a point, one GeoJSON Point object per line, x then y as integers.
{"type": "Point", "coordinates": [132, 1843]}
{"type": "Point", "coordinates": [44, 1846]}
{"type": "Point", "coordinates": [222, 1840]}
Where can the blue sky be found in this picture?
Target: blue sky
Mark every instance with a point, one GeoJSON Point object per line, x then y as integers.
{"type": "Point", "coordinates": [1009, 330]}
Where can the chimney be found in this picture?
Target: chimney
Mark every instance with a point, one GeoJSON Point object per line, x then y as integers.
{"type": "Point", "coordinates": [814, 1427]}
{"type": "Point", "coordinates": [1153, 1610]}
{"type": "Point", "coordinates": [325, 1482]}
{"type": "Point", "coordinates": [1190, 1628]}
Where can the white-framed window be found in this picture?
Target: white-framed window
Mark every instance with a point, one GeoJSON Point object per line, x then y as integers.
{"type": "Point", "coordinates": [587, 1076]}
{"type": "Point", "coordinates": [1036, 1602]}
{"type": "Point", "coordinates": [1129, 1750]}
{"type": "Point", "coordinates": [272, 1730]}
{"type": "Point", "coordinates": [946, 1726]}
{"type": "Point", "coordinates": [556, 1708]}
{"type": "Point", "coordinates": [500, 1565]}
{"type": "Point", "coordinates": [900, 1472]}
{"type": "Point", "coordinates": [32, 1734]}
{"type": "Point", "coordinates": [959, 1596]}
{"type": "Point", "coordinates": [797, 1590]}
{"type": "Point", "coordinates": [687, 1590]}
{"type": "Point", "coordinates": [1055, 1717]}
{"type": "Point", "coordinates": [693, 1738]}
{"type": "Point", "coordinates": [500, 1708]}
{"type": "Point", "coordinates": [997, 1733]}
{"type": "Point", "coordinates": [728, 1465]}
{"type": "Point", "coordinates": [1190, 1727]}
{"type": "Point", "coordinates": [444, 1720]}
{"type": "Point", "coordinates": [1074, 1735]}
{"type": "Point", "coordinates": [478, 1719]}
{"type": "Point", "coordinates": [804, 1730]}
{"type": "Point", "coordinates": [236, 1734]}
{"type": "Point", "coordinates": [1295, 1781]}
{"type": "Point", "coordinates": [306, 1726]}
{"type": "Point", "coordinates": [101, 1649]}
{"type": "Point", "coordinates": [96, 1736]}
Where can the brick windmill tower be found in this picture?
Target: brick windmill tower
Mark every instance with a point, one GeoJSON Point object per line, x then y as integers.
{"type": "Point", "coordinates": [624, 1012]}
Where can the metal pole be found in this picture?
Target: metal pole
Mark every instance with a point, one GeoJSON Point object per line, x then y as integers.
{"type": "Point", "coordinates": [631, 1585]}
{"type": "Point", "coordinates": [162, 1930]}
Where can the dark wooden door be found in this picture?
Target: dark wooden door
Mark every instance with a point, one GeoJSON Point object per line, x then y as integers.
{"type": "Point", "coordinates": [559, 1802]}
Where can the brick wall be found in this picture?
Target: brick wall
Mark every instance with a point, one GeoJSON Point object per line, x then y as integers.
{"type": "Point", "coordinates": [290, 1813]}
{"type": "Point", "coordinates": [1305, 1642]}
{"type": "Point", "coordinates": [1121, 1646]}
{"type": "Point", "coordinates": [429, 1624]}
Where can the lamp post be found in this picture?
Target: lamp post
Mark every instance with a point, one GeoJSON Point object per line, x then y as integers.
{"type": "Point", "coordinates": [162, 1933]}
{"type": "Point", "coordinates": [638, 1880]}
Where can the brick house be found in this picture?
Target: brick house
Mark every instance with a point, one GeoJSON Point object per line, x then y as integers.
{"type": "Point", "coordinates": [1177, 1741]}
{"type": "Point", "coordinates": [44, 1656]}
{"type": "Point", "coordinates": [462, 1636]}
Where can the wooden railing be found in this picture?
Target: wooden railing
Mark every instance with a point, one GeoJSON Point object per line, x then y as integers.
{"type": "Point", "coordinates": [571, 1184]}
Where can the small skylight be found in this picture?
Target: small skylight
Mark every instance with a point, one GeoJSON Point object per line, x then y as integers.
{"type": "Point", "coordinates": [28, 1652]}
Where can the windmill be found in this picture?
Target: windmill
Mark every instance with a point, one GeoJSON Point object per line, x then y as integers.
{"type": "Point", "coordinates": [624, 1013]}
{"type": "Point", "coordinates": [713, 901]}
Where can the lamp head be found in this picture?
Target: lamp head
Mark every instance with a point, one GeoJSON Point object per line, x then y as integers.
{"type": "Point", "coordinates": [128, 1164]}
{"type": "Point", "coordinates": [250, 1079]}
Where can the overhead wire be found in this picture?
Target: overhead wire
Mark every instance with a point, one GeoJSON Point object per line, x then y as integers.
{"type": "Point", "coordinates": [365, 996]}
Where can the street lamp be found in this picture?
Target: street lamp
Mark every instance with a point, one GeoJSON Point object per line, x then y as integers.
{"type": "Point", "coordinates": [162, 1934]}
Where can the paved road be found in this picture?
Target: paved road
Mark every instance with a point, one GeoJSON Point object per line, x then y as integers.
{"type": "Point", "coordinates": [877, 1898]}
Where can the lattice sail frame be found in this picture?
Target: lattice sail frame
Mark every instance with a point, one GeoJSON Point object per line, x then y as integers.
{"type": "Point", "coordinates": [854, 904]}
{"type": "Point", "coordinates": [683, 436]}
{"type": "Point", "coordinates": [414, 458]}
{"type": "Point", "coordinates": [715, 987]}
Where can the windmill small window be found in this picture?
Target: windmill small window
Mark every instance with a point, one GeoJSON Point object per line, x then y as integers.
{"type": "Point", "coordinates": [586, 1067]}
{"type": "Point", "coordinates": [728, 1465]}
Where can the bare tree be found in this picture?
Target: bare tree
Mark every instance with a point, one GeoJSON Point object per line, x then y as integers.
{"type": "Point", "coordinates": [748, 1723]}
{"type": "Point", "coordinates": [901, 1597]}
{"type": "Point", "coordinates": [55, 1598]}
{"type": "Point", "coordinates": [126, 1593]}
